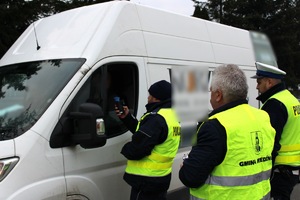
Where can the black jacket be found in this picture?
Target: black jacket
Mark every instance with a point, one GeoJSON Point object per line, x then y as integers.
{"type": "Point", "coordinates": [153, 130]}
{"type": "Point", "coordinates": [209, 151]}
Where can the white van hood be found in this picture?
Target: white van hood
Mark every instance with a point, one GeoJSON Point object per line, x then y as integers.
{"type": "Point", "coordinates": [7, 149]}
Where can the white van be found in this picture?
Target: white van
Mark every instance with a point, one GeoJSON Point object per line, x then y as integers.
{"type": "Point", "coordinates": [54, 88]}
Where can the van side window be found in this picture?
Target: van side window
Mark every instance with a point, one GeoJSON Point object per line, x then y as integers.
{"type": "Point", "coordinates": [110, 80]}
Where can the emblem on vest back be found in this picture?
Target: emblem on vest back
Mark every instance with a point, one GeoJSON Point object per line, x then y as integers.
{"type": "Point", "coordinates": [257, 141]}
{"type": "Point", "coordinates": [296, 110]}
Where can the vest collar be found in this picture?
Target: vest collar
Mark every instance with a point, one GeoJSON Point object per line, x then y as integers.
{"type": "Point", "coordinates": [156, 106]}
{"type": "Point", "coordinates": [273, 90]}
{"type": "Point", "coordinates": [228, 106]}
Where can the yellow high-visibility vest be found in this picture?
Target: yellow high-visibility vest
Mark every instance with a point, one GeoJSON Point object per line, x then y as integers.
{"type": "Point", "coordinates": [159, 162]}
{"type": "Point", "coordinates": [289, 153]}
{"type": "Point", "coordinates": [246, 168]}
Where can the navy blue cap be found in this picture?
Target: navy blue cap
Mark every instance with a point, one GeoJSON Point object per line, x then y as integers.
{"type": "Point", "coordinates": [161, 90]}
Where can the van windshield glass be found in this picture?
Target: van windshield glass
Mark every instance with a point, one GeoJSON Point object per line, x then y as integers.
{"type": "Point", "coordinates": [27, 90]}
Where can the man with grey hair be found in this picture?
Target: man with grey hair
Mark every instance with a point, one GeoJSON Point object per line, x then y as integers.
{"type": "Point", "coordinates": [232, 155]}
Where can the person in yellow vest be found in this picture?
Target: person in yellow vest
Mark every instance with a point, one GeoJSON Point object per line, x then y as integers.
{"type": "Point", "coordinates": [284, 111]}
{"type": "Point", "coordinates": [154, 144]}
{"type": "Point", "coordinates": [232, 155]}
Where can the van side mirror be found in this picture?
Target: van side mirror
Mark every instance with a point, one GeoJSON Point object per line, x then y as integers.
{"type": "Point", "coordinates": [80, 128]}
{"type": "Point", "coordinates": [88, 126]}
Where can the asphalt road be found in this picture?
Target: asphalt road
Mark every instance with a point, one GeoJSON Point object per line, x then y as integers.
{"type": "Point", "coordinates": [296, 193]}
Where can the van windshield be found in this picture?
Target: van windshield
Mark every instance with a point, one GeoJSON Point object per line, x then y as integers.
{"type": "Point", "coordinates": [27, 90]}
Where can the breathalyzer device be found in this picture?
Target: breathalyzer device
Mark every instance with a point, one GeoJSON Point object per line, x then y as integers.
{"type": "Point", "coordinates": [119, 104]}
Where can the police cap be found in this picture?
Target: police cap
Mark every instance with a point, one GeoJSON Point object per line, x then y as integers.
{"type": "Point", "coordinates": [264, 70]}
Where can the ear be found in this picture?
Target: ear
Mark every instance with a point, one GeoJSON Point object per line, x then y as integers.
{"type": "Point", "coordinates": [219, 96]}
{"type": "Point", "coordinates": [270, 82]}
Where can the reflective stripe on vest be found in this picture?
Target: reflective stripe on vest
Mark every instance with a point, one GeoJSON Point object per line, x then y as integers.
{"type": "Point", "coordinates": [230, 181]}
{"type": "Point", "coordinates": [159, 162]}
{"type": "Point", "coordinates": [289, 153]}
{"type": "Point", "coordinates": [294, 147]}
{"type": "Point", "coordinates": [246, 168]}
{"type": "Point", "coordinates": [266, 197]}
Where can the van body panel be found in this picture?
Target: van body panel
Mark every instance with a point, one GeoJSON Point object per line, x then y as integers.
{"type": "Point", "coordinates": [158, 47]}
{"type": "Point", "coordinates": [176, 183]}
{"type": "Point", "coordinates": [36, 191]}
{"type": "Point", "coordinates": [243, 59]}
{"type": "Point", "coordinates": [96, 180]}
{"type": "Point", "coordinates": [166, 35]}
{"type": "Point", "coordinates": [224, 44]}
{"type": "Point", "coordinates": [252, 91]}
{"type": "Point", "coordinates": [9, 147]}
{"type": "Point", "coordinates": [222, 34]}
{"type": "Point", "coordinates": [169, 24]}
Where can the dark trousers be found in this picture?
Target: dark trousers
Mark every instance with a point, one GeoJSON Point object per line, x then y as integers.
{"type": "Point", "coordinates": [282, 184]}
{"type": "Point", "coordinates": [143, 195]}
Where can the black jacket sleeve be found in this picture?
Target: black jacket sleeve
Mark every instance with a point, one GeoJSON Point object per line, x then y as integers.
{"type": "Point", "coordinates": [278, 117]}
{"type": "Point", "coordinates": [152, 131]}
{"type": "Point", "coordinates": [209, 152]}
{"type": "Point", "coordinates": [130, 122]}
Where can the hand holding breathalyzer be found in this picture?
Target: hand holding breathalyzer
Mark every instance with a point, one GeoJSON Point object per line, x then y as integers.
{"type": "Point", "coordinates": [119, 104]}
{"type": "Point", "coordinates": [120, 109]}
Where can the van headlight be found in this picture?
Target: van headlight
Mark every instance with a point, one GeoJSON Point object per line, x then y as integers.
{"type": "Point", "coordinates": [6, 165]}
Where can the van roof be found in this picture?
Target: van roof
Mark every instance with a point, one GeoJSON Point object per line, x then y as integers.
{"type": "Point", "coordinates": [125, 28]}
